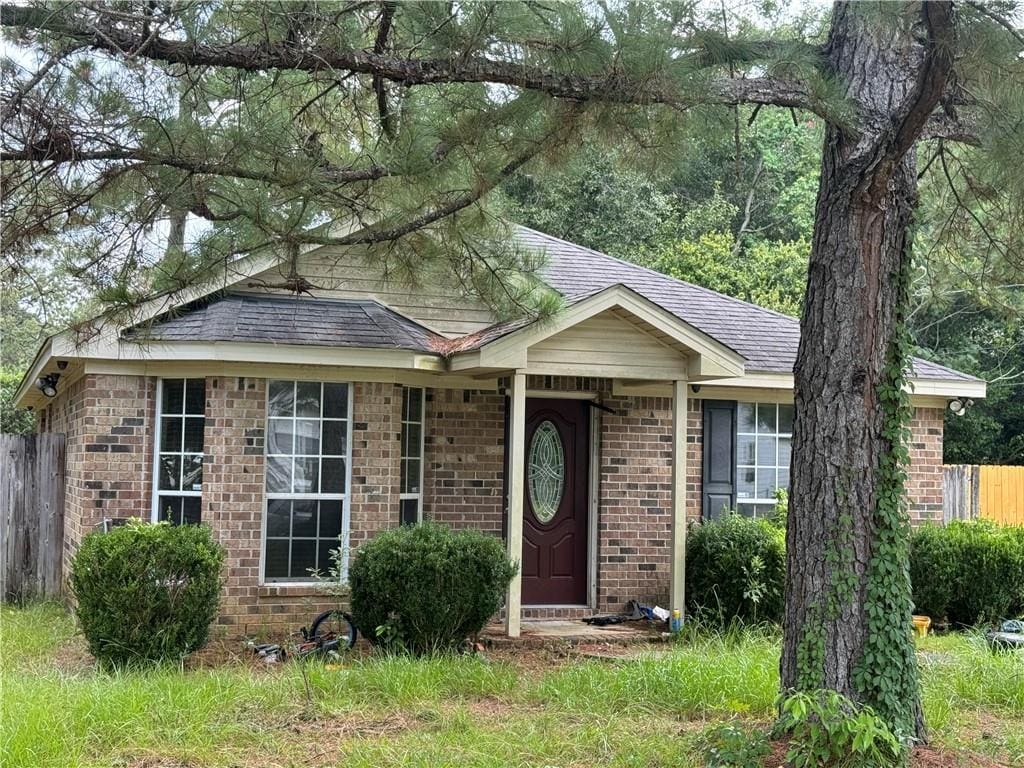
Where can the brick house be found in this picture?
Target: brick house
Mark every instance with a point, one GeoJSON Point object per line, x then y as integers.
{"type": "Point", "coordinates": [285, 422]}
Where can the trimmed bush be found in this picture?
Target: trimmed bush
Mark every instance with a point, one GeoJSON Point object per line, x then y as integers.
{"type": "Point", "coordinates": [736, 569]}
{"type": "Point", "coordinates": [145, 592]}
{"type": "Point", "coordinates": [969, 572]}
{"type": "Point", "coordinates": [426, 588]}
{"type": "Point", "coordinates": [932, 570]}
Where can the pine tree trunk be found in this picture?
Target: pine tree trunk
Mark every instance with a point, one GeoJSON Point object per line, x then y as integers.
{"type": "Point", "coordinates": [851, 320]}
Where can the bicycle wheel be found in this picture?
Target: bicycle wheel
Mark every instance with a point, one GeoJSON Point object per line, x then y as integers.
{"type": "Point", "coordinates": [333, 630]}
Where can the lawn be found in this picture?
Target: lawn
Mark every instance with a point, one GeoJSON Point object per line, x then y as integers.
{"type": "Point", "coordinates": [496, 710]}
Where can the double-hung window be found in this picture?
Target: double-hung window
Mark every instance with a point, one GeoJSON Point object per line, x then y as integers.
{"type": "Point", "coordinates": [307, 478]}
{"type": "Point", "coordinates": [411, 485]}
{"type": "Point", "coordinates": [181, 424]}
{"type": "Point", "coordinates": [763, 437]}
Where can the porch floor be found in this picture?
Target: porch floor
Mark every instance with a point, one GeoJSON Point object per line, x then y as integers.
{"type": "Point", "coordinates": [541, 632]}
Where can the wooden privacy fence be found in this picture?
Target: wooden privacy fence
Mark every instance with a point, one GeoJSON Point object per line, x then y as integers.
{"type": "Point", "coordinates": [31, 516]}
{"type": "Point", "coordinates": [993, 493]}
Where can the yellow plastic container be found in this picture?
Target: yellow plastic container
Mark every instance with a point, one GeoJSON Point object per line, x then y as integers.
{"type": "Point", "coordinates": [921, 625]}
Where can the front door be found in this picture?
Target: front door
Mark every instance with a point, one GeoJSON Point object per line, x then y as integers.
{"type": "Point", "coordinates": [555, 502]}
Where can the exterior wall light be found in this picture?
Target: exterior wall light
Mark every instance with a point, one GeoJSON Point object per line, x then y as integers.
{"type": "Point", "coordinates": [959, 406]}
{"type": "Point", "coordinates": [48, 384]}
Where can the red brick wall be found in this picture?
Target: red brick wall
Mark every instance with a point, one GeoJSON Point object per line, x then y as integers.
{"type": "Point", "coordinates": [924, 479]}
{"type": "Point", "coordinates": [463, 478]}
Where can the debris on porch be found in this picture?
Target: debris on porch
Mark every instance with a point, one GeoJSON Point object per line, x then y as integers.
{"type": "Point", "coordinates": [555, 632]}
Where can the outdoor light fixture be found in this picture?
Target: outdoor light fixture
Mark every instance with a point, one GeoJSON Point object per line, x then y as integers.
{"type": "Point", "coordinates": [48, 384]}
{"type": "Point", "coordinates": [959, 407]}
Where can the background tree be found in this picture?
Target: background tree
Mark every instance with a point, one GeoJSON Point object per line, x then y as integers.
{"type": "Point", "coordinates": [398, 119]}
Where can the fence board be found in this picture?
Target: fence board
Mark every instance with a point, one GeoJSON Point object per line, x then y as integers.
{"type": "Point", "coordinates": [31, 516]}
{"type": "Point", "coordinates": [959, 492]}
{"type": "Point", "coordinates": [1002, 494]}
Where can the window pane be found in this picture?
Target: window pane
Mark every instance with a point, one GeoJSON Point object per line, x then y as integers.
{"type": "Point", "coordinates": [745, 483]}
{"type": "Point", "coordinates": [745, 449]}
{"type": "Point", "coordinates": [411, 476]}
{"type": "Point", "coordinates": [765, 417]}
{"type": "Point", "coordinates": [279, 475]}
{"type": "Point", "coordinates": [785, 445]}
{"type": "Point", "coordinates": [191, 510]}
{"type": "Point", "coordinates": [278, 517]}
{"type": "Point", "coordinates": [169, 509]}
{"type": "Point", "coordinates": [195, 396]}
{"type": "Point", "coordinates": [282, 398]}
{"type": "Point", "coordinates": [194, 435]}
{"type": "Point", "coordinates": [173, 396]}
{"type": "Point", "coordinates": [170, 473]}
{"type": "Point", "coordinates": [279, 437]}
{"type": "Point", "coordinates": [307, 437]}
{"type": "Point", "coordinates": [334, 438]}
{"type": "Point", "coordinates": [307, 472]}
{"type": "Point", "coordinates": [170, 434]}
{"type": "Point", "coordinates": [415, 432]}
{"type": "Point", "coordinates": [276, 565]}
{"type": "Point", "coordinates": [749, 510]}
{"type": "Point", "coordinates": [745, 417]}
{"type": "Point", "coordinates": [303, 558]}
{"type": "Point", "coordinates": [765, 451]}
{"type": "Point", "coordinates": [330, 519]}
{"type": "Point", "coordinates": [785, 419]}
{"type": "Point", "coordinates": [336, 401]}
{"type": "Point", "coordinates": [324, 560]}
{"type": "Point", "coordinates": [304, 517]}
{"type": "Point", "coordinates": [409, 510]}
{"type": "Point", "coordinates": [784, 478]}
{"type": "Point", "coordinates": [307, 399]}
{"type": "Point", "coordinates": [192, 472]}
{"type": "Point", "coordinates": [766, 483]}
{"type": "Point", "coordinates": [333, 476]}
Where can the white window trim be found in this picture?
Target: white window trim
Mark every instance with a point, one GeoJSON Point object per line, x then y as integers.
{"type": "Point", "coordinates": [758, 501]}
{"type": "Point", "coordinates": [422, 457]}
{"type": "Point", "coordinates": [346, 498]}
{"type": "Point", "coordinates": [154, 501]}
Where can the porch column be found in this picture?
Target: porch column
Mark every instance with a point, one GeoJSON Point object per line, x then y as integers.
{"type": "Point", "coordinates": [678, 570]}
{"type": "Point", "coordinates": [516, 461]}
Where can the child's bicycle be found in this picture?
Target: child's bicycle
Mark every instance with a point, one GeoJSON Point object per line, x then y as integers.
{"type": "Point", "coordinates": [330, 633]}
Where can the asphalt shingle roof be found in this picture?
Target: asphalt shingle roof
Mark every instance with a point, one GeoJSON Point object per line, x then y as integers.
{"type": "Point", "coordinates": [293, 320]}
{"type": "Point", "coordinates": [768, 340]}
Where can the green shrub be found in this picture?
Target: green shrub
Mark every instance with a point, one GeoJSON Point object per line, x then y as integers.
{"type": "Point", "coordinates": [932, 570]}
{"type": "Point", "coordinates": [826, 728]}
{"type": "Point", "coordinates": [971, 572]}
{"type": "Point", "coordinates": [146, 592]}
{"type": "Point", "coordinates": [426, 588]}
{"type": "Point", "coordinates": [736, 569]}
{"type": "Point", "coordinates": [730, 745]}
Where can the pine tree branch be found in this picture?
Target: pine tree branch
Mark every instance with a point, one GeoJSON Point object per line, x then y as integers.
{"type": "Point", "coordinates": [62, 153]}
{"type": "Point", "coordinates": [614, 87]}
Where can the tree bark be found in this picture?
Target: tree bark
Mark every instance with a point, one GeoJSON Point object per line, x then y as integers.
{"type": "Point", "coordinates": [850, 324]}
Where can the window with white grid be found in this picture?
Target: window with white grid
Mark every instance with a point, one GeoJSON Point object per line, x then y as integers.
{"type": "Point", "coordinates": [411, 486]}
{"type": "Point", "coordinates": [307, 477]}
{"type": "Point", "coordinates": [178, 460]}
{"type": "Point", "coordinates": [764, 434]}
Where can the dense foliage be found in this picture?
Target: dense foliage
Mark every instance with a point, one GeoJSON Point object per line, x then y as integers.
{"type": "Point", "coordinates": [426, 588]}
{"type": "Point", "coordinates": [735, 569]}
{"type": "Point", "coordinates": [146, 593]}
{"type": "Point", "coordinates": [968, 572]}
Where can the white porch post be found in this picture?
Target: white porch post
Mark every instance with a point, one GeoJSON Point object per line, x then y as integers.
{"type": "Point", "coordinates": [516, 462]}
{"type": "Point", "coordinates": [678, 572]}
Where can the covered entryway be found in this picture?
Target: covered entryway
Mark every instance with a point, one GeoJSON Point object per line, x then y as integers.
{"type": "Point", "coordinates": [554, 564]}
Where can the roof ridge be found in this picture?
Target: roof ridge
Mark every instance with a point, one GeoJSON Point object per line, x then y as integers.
{"type": "Point", "coordinates": [658, 274]}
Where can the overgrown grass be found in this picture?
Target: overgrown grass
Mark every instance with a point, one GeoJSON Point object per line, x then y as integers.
{"type": "Point", "coordinates": [440, 711]}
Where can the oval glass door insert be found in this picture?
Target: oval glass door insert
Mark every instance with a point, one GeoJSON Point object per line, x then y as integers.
{"type": "Point", "coordinates": [546, 465]}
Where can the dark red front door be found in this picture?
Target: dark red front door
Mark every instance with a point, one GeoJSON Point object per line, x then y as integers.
{"type": "Point", "coordinates": [555, 502]}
